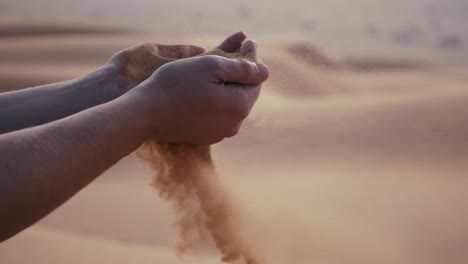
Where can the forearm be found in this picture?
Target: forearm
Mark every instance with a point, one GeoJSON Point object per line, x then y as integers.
{"type": "Point", "coordinates": [39, 105]}
{"type": "Point", "coordinates": [44, 166]}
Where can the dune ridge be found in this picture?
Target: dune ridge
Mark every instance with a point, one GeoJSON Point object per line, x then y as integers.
{"type": "Point", "coordinates": [336, 166]}
{"type": "Point", "coordinates": [15, 30]}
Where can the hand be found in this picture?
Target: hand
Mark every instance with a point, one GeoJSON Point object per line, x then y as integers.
{"type": "Point", "coordinates": [203, 100]}
{"type": "Point", "coordinates": [134, 65]}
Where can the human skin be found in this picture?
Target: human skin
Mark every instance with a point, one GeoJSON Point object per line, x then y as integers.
{"type": "Point", "coordinates": [124, 71]}
{"type": "Point", "coordinates": [186, 173]}
{"type": "Point", "coordinates": [197, 100]}
{"type": "Point", "coordinates": [43, 104]}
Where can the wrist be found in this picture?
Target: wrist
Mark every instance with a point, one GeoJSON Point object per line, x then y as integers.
{"type": "Point", "coordinates": [123, 73]}
{"type": "Point", "coordinates": [100, 86]}
{"type": "Point", "coordinates": [151, 107]}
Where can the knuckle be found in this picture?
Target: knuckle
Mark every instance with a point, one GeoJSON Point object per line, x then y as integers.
{"type": "Point", "coordinates": [248, 69]}
{"type": "Point", "coordinates": [212, 62]}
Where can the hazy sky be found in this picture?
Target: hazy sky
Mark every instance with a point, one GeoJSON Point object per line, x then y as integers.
{"type": "Point", "coordinates": [260, 15]}
{"type": "Point", "coordinates": [440, 25]}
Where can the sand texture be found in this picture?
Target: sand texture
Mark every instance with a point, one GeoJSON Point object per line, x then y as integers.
{"type": "Point", "coordinates": [356, 159]}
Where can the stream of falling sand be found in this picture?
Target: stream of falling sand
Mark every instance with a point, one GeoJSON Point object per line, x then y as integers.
{"type": "Point", "coordinates": [186, 177]}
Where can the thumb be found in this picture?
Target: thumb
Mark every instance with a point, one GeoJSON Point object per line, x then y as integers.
{"type": "Point", "coordinates": [232, 43]}
{"type": "Point", "coordinates": [241, 71]}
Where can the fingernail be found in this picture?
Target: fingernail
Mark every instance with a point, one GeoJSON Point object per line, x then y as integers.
{"type": "Point", "coordinates": [263, 71]}
{"type": "Point", "coordinates": [241, 34]}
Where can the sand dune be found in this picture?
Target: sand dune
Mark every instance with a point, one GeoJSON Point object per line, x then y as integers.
{"type": "Point", "coordinates": [8, 30]}
{"type": "Point", "coordinates": [48, 246]}
{"type": "Point", "coordinates": [301, 70]}
{"type": "Point", "coordinates": [335, 165]}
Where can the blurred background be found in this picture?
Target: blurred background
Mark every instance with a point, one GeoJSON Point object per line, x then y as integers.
{"type": "Point", "coordinates": [356, 152]}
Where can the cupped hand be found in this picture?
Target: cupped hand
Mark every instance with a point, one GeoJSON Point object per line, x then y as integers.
{"type": "Point", "coordinates": [204, 99]}
{"type": "Point", "coordinates": [136, 64]}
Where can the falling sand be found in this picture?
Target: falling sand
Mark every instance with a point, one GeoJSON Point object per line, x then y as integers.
{"type": "Point", "coordinates": [188, 180]}
{"type": "Point", "coordinates": [186, 177]}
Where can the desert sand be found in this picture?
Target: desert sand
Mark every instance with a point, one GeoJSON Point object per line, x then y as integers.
{"type": "Point", "coordinates": [345, 159]}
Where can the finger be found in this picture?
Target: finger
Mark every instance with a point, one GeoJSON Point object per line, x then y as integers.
{"type": "Point", "coordinates": [232, 43]}
{"type": "Point", "coordinates": [239, 100]}
{"type": "Point", "coordinates": [179, 51]}
{"type": "Point", "coordinates": [248, 50]}
{"type": "Point", "coordinates": [241, 71]}
{"type": "Point", "coordinates": [221, 53]}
